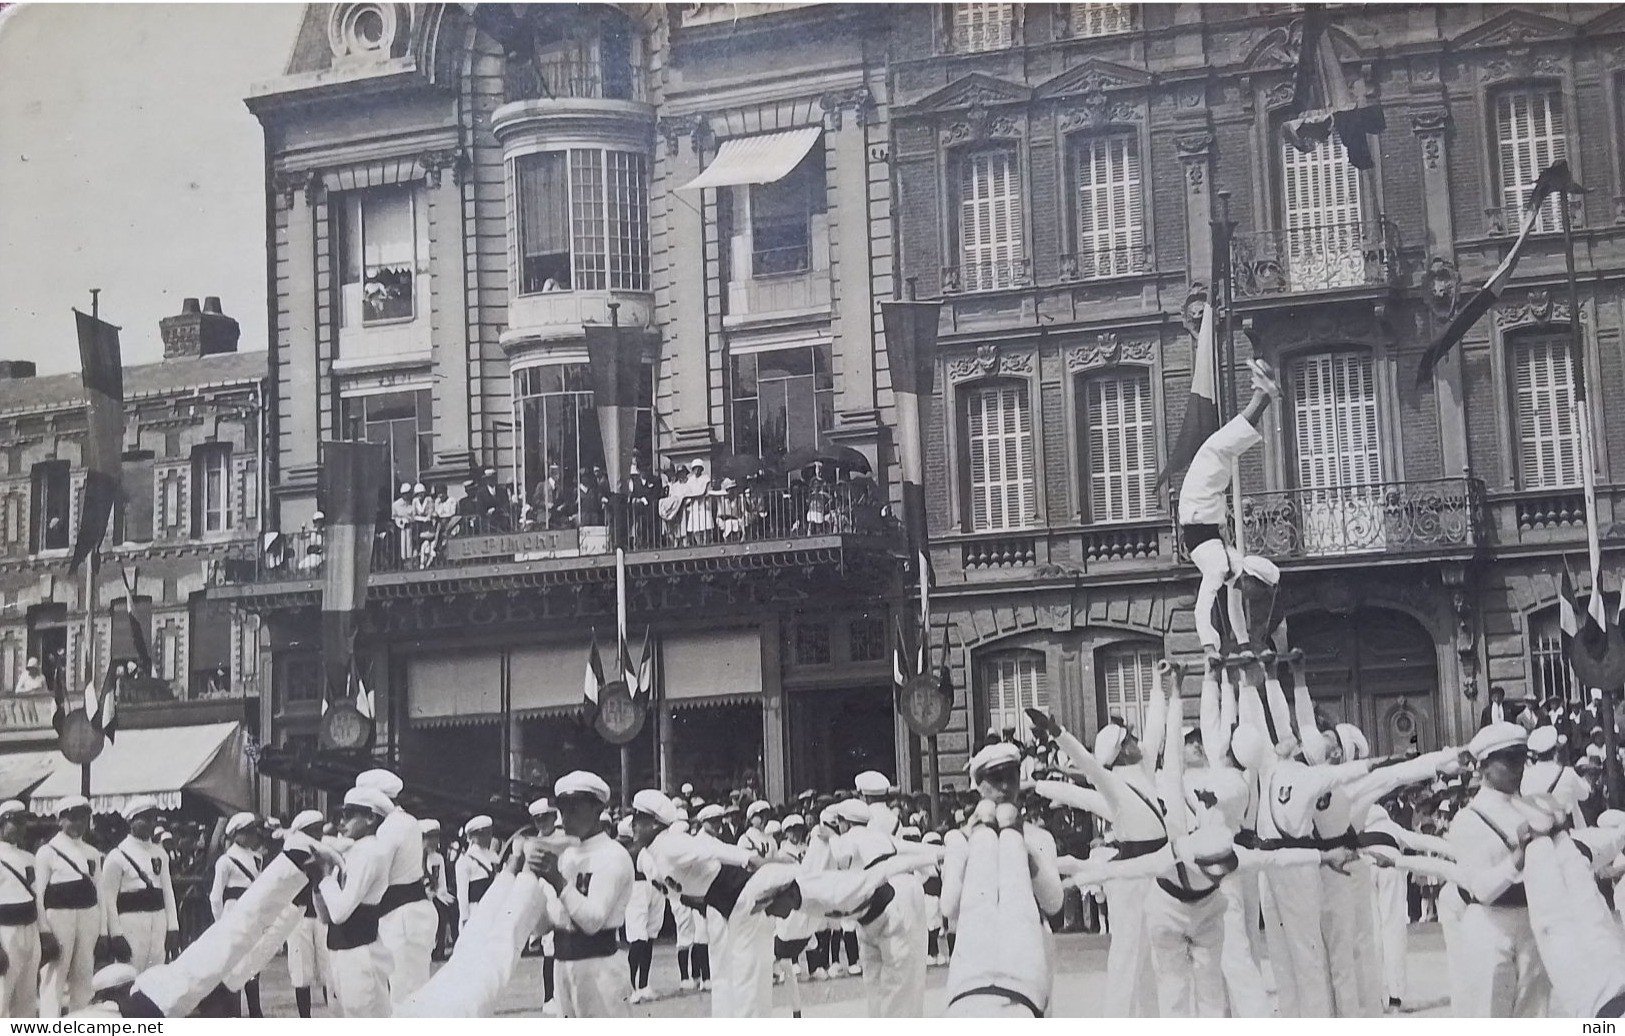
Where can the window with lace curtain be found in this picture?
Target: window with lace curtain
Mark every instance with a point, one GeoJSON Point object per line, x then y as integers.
{"type": "Point", "coordinates": [1529, 136]}
{"type": "Point", "coordinates": [1012, 682]}
{"type": "Point", "coordinates": [1127, 675]}
{"type": "Point", "coordinates": [582, 221]}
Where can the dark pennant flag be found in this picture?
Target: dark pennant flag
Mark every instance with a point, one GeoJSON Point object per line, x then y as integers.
{"type": "Point", "coordinates": [352, 476]}
{"type": "Point", "coordinates": [102, 371]}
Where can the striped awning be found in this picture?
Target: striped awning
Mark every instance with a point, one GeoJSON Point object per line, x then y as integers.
{"type": "Point", "coordinates": [209, 760]}
{"type": "Point", "coordinates": [766, 158]}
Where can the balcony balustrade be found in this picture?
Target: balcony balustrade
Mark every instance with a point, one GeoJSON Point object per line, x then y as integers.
{"type": "Point", "coordinates": [992, 275]}
{"type": "Point", "coordinates": [1318, 257]}
{"type": "Point", "coordinates": [1121, 261]}
{"type": "Point", "coordinates": [1422, 517]}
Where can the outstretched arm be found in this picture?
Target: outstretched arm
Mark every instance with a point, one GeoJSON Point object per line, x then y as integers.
{"type": "Point", "coordinates": [1171, 784]}
{"type": "Point", "coordinates": [1303, 708]}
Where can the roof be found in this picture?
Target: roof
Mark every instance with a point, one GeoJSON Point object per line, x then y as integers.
{"type": "Point", "coordinates": [62, 391]}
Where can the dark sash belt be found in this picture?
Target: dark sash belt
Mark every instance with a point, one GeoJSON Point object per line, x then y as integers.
{"type": "Point", "coordinates": [1514, 896]}
{"type": "Point", "coordinates": [360, 930]}
{"type": "Point", "coordinates": [12, 914]}
{"type": "Point", "coordinates": [1291, 842]}
{"type": "Point", "coordinates": [141, 901]}
{"type": "Point", "coordinates": [306, 901]}
{"type": "Point", "coordinates": [725, 889]}
{"type": "Point", "coordinates": [877, 904]}
{"type": "Point", "coordinates": [232, 895]}
{"type": "Point", "coordinates": [1009, 994]}
{"type": "Point", "coordinates": [477, 889]}
{"type": "Point", "coordinates": [1183, 894]}
{"type": "Point", "coordinates": [1134, 850]}
{"type": "Point", "coordinates": [932, 886]}
{"type": "Point", "coordinates": [397, 896]}
{"type": "Point", "coordinates": [78, 894]}
{"type": "Point", "coordinates": [568, 945]}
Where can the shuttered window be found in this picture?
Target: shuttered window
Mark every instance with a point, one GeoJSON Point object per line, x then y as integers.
{"type": "Point", "coordinates": [983, 26]}
{"type": "Point", "coordinates": [1003, 491]}
{"type": "Point", "coordinates": [1334, 398]}
{"type": "Point", "coordinates": [1321, 215]}
{"type": "Point", "coordinates": [1529, 137]}
{"type": "Point", "coordinates": [1110, 217]}
{"type": "Point", "coordinates": [1121, 450]}
{"type": "Point", "coordinates": [1543, 403]}
{"type": "Point", "coordinates": [1128, 679]}
{"type": "Point", "coordinates": [1015, 681]}
{"type": "Point", "coordinates": [1088, 20]}
{"type": "Point", "coordinates": [990, 217]}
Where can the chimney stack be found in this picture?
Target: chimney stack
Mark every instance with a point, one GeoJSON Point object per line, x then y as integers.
{"type": "Point", "coordinates": [198, 331]}
{"type": "Point", "coordinates": [15, 370]}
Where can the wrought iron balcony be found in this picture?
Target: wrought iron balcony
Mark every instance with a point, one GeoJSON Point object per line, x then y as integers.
{"type": "Point", "coordinates": [1424, 517]}
{"type": "Point", "coordinates": [1319, 257]}
{"type": "Point", "coordinates": [987, 276]}
{"type": "Point", "coordinates": [1107, 262]}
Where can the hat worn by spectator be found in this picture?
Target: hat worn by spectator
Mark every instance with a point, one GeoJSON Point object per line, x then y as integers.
{"type": "Point", "coordinates": [656, 806]}
{"type": "Point", "coordinates": [828, 815]}
{"type": "Point", "coordinates": [688, 790]}
{"type": "Point", "coordinates": [909, 834]}
{"type": "Point", "coordinates": [757, 807]}
{"type": "Point", "coordinates": [872, 782]}
{"type": "Point", "coordinates": [773, 827]}
{"type": "Point", "coordinates": [138, 805]}
{"type": "Point", "coordinates": [310, 818]}
{"type": "Point", "coordinates": [1109, 743]}
{"type": "Point", "coordinates": [1000, 753]}
{"type": "Point", "coordinates": [541, 808]}
{"type": "Point", "coordinates": [475, 824]}
{"type": "Point", "coordinates": [244, 821]}
{"type": "Point", "coordinates": [1497, 738]}
{"type": "Point", "coordinates": [711, 812]}
{"type": "Point", "coordinates": [382, 780]}
{"type": "Point", "coordinates": [793, 820]}
{"type": "Point", "coordinates": [430, 826]}
{"type": "Point", "coordinates": [11, 806]}
{"type": "Point", "coordinates": [370, 799]}
{"type": "Point", "coordinates": [406, 487]}
{"type": "Point", "coordinates": [1543, 741]}
{"type": "Point", "coordinates": [70, 803]}
{"type": "Point", "coordinates": [580, 782]}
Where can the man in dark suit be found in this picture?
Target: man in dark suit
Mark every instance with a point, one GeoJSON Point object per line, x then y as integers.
{"type": "Point", "coordinates": [1499, 710]}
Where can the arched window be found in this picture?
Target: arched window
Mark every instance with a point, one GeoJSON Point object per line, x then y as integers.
{"type": "Point", "coordinates": [1127, 676]}
{"type": "Point", "coordinates": [1001, 481]}
{"type": "Point", "coordinates": [1012, 682]}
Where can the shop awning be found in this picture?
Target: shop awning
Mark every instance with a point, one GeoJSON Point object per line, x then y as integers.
{"type": "Point", "coordinates": [454, 690]}
{"type": "Point", "coordinates": [766, 158]}
{"type": "Point", "coordinates": [20, 772]}
{"type": "Point", "coordinates": [546, 679]}
{"type": "Point", "coordinates": [208, 760]}
{"type": "Point", "coordinates": [716, 664]}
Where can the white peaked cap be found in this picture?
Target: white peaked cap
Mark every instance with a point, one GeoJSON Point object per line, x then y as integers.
{"type": "Point", "coordinates": [1109, 742]}
{"type": "Point", "coordinates": [382, 780]}
{"type": "Point", "coordinates": [1000, 753]}
{"type": "Point", "coordinates": [370, 799]}
{"type": "Point", "coordinates": [656, 805]}
{"type": "Point", "coordinates": [580, 782]}
{"type": "Point", "coordinates": [772, 827]}
{"type": "Point", "coordinates": [757, 807]}
{"type": "Point", "coordinates": [933, 838]}
{"type": "Point", "coordinates": [70, 803]}
{"type": "Point", "coordinates": [541, 808]}
{"type": "Point", "coordinates": [872, 782]}
{"type": "Point", "coordinates": [828, 815]}
{"type": "Point", "coordinates": [624, 828]}
{"type": "Point", "coordinates": [477, 823]}
{"type": "Point", "coordinates": [429, 826]}
{"type": "Point", "coordinates": [11, 806]}
{"type": "Point", "coordinates": [853, 811]}
{"type": "Point", "coordinates": [1352, 742]}
{"type": "Point", "coordinates": [113, 976]}
{"type": "Point", "coordinates": [793, 820]}
{"type": "Point", "coordinates": [1262, 568]}
{"type": "Point", "coordinates": [1543, 740]}
{"type": "Point", "coordinates": [688, 789]}
{"type": "Point", "coordinates": [1497, 737]}
{"type": "Point", "coordinates": [239, 821]}
{"type": "Point", "coordinates": [138, 805]}
{"type": "Point", "coordinates": [711, 812]}
{"type": "Point", "coordinates": [306, 818]}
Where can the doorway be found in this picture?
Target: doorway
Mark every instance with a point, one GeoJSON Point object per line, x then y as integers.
{"type": "Point", "coordinates": [837, 734]}
{"type": "Point", "coordinates": [1375, 668]}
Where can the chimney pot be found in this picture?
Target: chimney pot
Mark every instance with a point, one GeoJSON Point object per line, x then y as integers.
{"type": "Point", "coordinates": [13, 370]}
{"type": "Point", "coordinates": [211, 304]}
{"type": "Point", "coordinates": [199, 331]}
{"type": "Point", "coordinates": [188, 307]}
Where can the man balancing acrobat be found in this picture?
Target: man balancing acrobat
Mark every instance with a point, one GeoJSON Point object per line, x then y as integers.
{"type": "Point", "coordinates": [1202, 516]}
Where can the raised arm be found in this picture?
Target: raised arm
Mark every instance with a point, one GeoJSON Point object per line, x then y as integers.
{"type": "Point", "coordinates": [1046, 875]}
{"type": "Point", "coordinates": [955, 850]}
{"type": "Point", "coordinates": [1098, 872]}
{"type": "Point", "coordinates": [1303, 708]}
{"type": "Point", "coordinates": [1075, 796]}
{"type": "Point", "coordinates": [1171, 776]}
{"type": "Point", "coordinates": [1155, 737]}
{"type": "Point", "coordinates": [1211, 721]}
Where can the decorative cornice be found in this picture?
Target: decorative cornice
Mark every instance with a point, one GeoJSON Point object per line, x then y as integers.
{"type": "Point", "coordinates": [436, 162]}
{"type": "Point", "coordinates": [1094, 111]}
{"type": "Point", "coordinates": [696, 127]}
{"type": "Point", "coordinates": [288, 184]}
{"type": "Point", "coordinates": [1520, 64]}
{"type": "Point", "coordinates": [1432, 119]}
{"type": "Point", "coordinates": [989, 362]}
{"type": "Point", "coordinates": [1109, 351]}
{"type": "Point", "coordinates": [1538, 308]}
{"type": "Point", "coordinates": [979, 125]}
{"type": "Point", "coordinates": [857, 100]}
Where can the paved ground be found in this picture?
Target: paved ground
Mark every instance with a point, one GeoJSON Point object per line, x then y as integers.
{"type": "Point", "coordinates": [1080, 978]}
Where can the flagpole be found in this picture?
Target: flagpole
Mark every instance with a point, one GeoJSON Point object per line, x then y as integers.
{"type": "Point", "coordinates": [1224, 370]}
{"type": "Point", "coordinates": [923, 563]}
{"type": "Point", "coordinates": [94, 563]}
{"type": "Point", "coordinates": [621, 651]}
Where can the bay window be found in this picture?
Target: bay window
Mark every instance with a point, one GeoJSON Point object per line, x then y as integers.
{"type": "Point", "coordinates": [583, 220]}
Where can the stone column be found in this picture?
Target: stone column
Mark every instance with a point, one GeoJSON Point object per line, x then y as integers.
{"type": "Point", "coordinates": [845, 115]}
{"type": "Point", "coordinates": [1442, 283]}
{"type": "Point", "coordinates": [1195, 150]}
{"type": "Point", "coordinates": [300, 420]}
{"type": "Point", "coordinates": [448, 279]}
{"type": "Point", "coordinates": [684, 348]}
{"type": "Point", "coordinates": [774, 764]}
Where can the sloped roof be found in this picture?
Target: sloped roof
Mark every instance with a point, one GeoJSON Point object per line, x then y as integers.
{"type": "Point", "coordinates": [60, 391]}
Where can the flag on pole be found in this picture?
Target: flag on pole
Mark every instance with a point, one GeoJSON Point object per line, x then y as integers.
{"type": "Point", "coordinates": [105, 718]}
{"type": "Point", "coordinates": [102, 372]}
{"type": "Point", "coordinates": [352, 476]}
{"type": "Point", "coordinates": [629, 671]}
{"type": "Point", "coordinates": [646, 669]}
{"type": "Point", "coordinates": [1555, 178]}
{"type": "Point", "coordinates": [138, 634]}
{"type": "Point", "coordinates": [1202, 409]}
{"type": "Point", "coordinates": [901, 665]}
{"type": "Point", "coordinates": [593, 682]}
{"type": "Point", "coordinates": [1568, 611]}
{"type": "Point", "coordinates": [1322, 100]}
{"type": "Point", "coordinates": [911, 344]}
{"type": "Point", "coordinates": [363, 697]}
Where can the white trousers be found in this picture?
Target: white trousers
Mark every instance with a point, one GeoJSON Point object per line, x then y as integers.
{"type": "Point", "coordinates": [1131, 991]}
{"type": "Point", "coordinates": [307, 954]}
{"type": "Point", "coordinates": [1501, 972]}
{"type": "Point", "coordinates": [472, 981]}
{"type": "Point", "coordinates": [145, 933]}
{"type": "Point", "coordinates": [272, 937]}
{"type": "Point", "coordinates": [1348, 931]}
{"type": "Point", "coordinates": [65, 983]}
{"type": "Point", "coordinates": [1393, 918]}
{"type": "Point", "coordinates": [892, 948]}
{"type": "Point", "coordinates": [407, 935]}
{"type": "Point", "coordinates": [741, 964]}
{"type": "Point", "coordinates": [19, 986]}
{"type": "Point", "coordinates": [1297, 948]}
{"type": "Point", "coordinates": [1243, 980]}
{"type": "Point", "coordinates": [1187, 941]}
{"type": "Point", "coordinates": [1007, 946]}
{"type": "Point", "coordinates": [358, 980]}
{"type": "Point", "coordinates": [1215, 562]}
{"type": "Point", "coordinates": [594, 988]}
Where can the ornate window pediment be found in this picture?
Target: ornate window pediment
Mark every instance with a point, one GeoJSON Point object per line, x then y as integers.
{"type": "Point", "coordinates": [1279, 47]}
{"type": "Point", "coordinates": [977, 90]}
{"type": "Point", "coordinates": [1512, 29]}
{"type": "Point", "coordinates": [1091, 77]}
{"type": "Point", "coordinates": [989, 361]}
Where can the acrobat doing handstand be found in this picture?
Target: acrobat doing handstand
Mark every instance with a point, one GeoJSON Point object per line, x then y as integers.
{"type": "Point", "coordinates": [1251, 580]}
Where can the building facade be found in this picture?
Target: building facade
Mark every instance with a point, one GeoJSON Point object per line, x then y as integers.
{"type": "Point", "coordinates": [191, 465]}
{"type": "Point", "coordinates": [1059, 168]}
{"type": "Point", "coordinates": [455, 198]}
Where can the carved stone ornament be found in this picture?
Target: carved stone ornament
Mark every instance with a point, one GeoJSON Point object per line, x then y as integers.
{"type": "Point", "coordinates": [1191, 311]}
{"type": "Point", "coordinates": [1495, 224]}
{"type": "Point", "coordinates": [289, 183]}
{"type": "Point", "coordinates": [989, 361]}
{"type": "Point", "coordinates": [1192, 146]}
{"type": "Point", "coordinates": [1108, 352]}
{"type": "Point", "coordinates": [1093, 111]}
{"type": "Point", "coordinates": [1519, 64]}
{"type": "Point", "coordinates": [1278, 96]}
{"type": "Point", "coordinates": [858, 100]}
{"type": "Point", "coordinates": [1538, 308]}
{"type": "Point", "coordinates": [1443, 285]}
{"type": "Point", "coordinates": [436, 162]}
{"type": "Point", "coordinates": [697, 128]}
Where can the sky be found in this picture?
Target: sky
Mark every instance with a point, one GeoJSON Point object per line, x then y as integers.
{"type": "Point", "coordinates": [129, 163]}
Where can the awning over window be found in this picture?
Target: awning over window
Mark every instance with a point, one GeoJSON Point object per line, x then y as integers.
{"type": "Point", "coordinates": [21, 771]}
{"type": "Point", "coordinates": [715, 664]}
{"type": "Point", "coordinates": [767, 158]}
{"type": "Point", "coordinates": [446, 690]}
{"type": "Point", "coordinates": [546, 679]}
{"type": "Point", "coordinates": [208, 760]}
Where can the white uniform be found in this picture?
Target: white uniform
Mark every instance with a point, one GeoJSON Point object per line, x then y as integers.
{"type": "Point", "coordinates": [1496, 963]}
{"type": "Point", "coordinates": [136, 886]}
{"type": "Point", "coordinates": [307, 947]}
{"type": "Point", "coordinates": [591, 974]}
{"type": "Point", "coordinates": [19, 933]}
{"type": "Point", "coordinates": [407, 927]}
{"type": "Point", "coordinates": [357, 957]}
{"type": "Point", "coordinates": [68, 869]}
{"type": "Point", "coordinates": [1131, 990]}
{"type": "Point", "coordinates": [645, 905]}
{"type": "Point", "coordinates": [1202, 501]}
{"type": "Point", "coordinates": [234, 871]}
{"type": "Point", "coordinates": [475, 869]}
{"type": "Point", "coordinates": [1549, 777]}
{"type": "Point", "coordinates": [891, 934]}
{"type": "Point", "coordinates": [710, 871]}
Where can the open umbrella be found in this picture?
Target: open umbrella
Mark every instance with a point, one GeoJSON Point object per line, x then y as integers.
{"type": "Point", "coordinates": [845, 457]}
{"type": "Point", "coordinates": [740, 466]}
{"type": "Point", "coordinates": [799, 458]}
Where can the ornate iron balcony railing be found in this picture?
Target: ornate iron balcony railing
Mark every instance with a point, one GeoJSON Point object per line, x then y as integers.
{"type": "Point", "coordinates": [1318, 257]}
{"type": "Point", "coordinates": [987, 276]}
{"type": "Point", "coordinates": [1377, 518]}
{"type": "Point", "coordinates": [1107, 262]}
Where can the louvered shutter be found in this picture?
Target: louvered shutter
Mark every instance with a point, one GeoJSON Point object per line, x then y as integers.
{"type": "Point", "coordinates": [1321, 195]}
{"type": "Point", "coordinates": [1101, 19]}
{"type": "Point", "coordinates": [980, 27]}
{"type": "Point", "coordinates": [1529, 130]}
{"type": "Point", "coordinates": [1129, 679]}
{"type": "Point", "coordinates": [1002, 489]}
{"type": "Point", "coordinates": [1015, 681]}
{"type": "Point", "coordinates": [1110, 210]}
{"type": "Point", "coordinates": [1335, 418]}
{"type": "Point", "coordinates": [1548, 440]}
{"type": "Point", "coordinates": [1122, 453]}
{"type": "Point", "coordinates": [989, 220]}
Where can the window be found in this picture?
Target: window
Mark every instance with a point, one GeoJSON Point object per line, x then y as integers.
{"type": "Point", "coordinates": [297, 677]}
{"type": "Point", "coordinates": [48, 642]}
{"type": "Point", "coordinates": [1014, 682]}
{"type": "Point", "coordinates": [583, 219]}
{"type": "Point", "coordinates": [990, 215]}
{"type": "Point", "coordinates": [1529, 137]}
{"type": "Point", "coordinates": [209, 664]}
{"type": "Point", "coordinates": [1550, 675]}
{"type": "Point", "coordinates": [812, 643]}
{"type": "Point", "coordinates": [868, 639]}
{"type": "Point", "coordinates": [1334, 420]}
{"type": "Point", "coordinates": [980, 27]}
{"type": "Point", "coordinates": [132, 515]}
{"type": "Point", "coordinates": [783, 399]}
{"type": "Point", "coordinates": [131, 643]}
{"type": "Point", "coordinates": [1120, 451]}
{"type": "Point", "coordinates": [1108, 228]}
{"type": "Point", "coordinates": [51, 506]}
{"type": "Point", "coordinates": [1128, 679]}
{"type": "Point", "coordinates": [211, 489]}
{"type": "Point", "coordinates": [1543, 407]}
{"type": "Point", "coordinates": [398, 420]}
{"type": "Point", "coordinates": [379, 255]}
{"type": "Point", "coordinates": [1322, 218]}
{"type": "Point", "coordinates": [559, 436]}
{"type": "Point", "coordinates": [1088, 20]}
{"type": "Point", "coordinates": [780, 217]}
{"type": "Point", "coordinates": [999, 438]}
